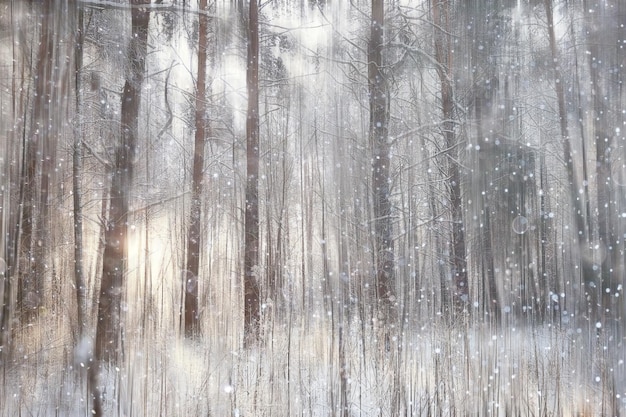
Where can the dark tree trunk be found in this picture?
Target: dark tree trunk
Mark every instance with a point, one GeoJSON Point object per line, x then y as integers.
{"type": "Point", "coordinates": [193, 235]}
{"type": "Point", "coordinates": [252, 302]}
{"type": "Point", "coordinates": [381, 184]}
{"type": "Point", "coordinates": [443, 57]}
{"type": "Point", "coordinates": [115, 247]}
{"type": "Point", "coordinates": [12, 197]}
{"type": "Point", "coordinates": [77, 160]}
{"type": "Point", "coordinates": [30, 283]}
{"type": "Point", "coordinates": [9, 230]}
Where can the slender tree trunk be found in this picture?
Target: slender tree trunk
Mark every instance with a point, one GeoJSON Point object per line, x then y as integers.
{"type": "Point", "coordinates": [493, 299]}
{"type": "Point", "coordinates": [75, 18]}
{"type": "Point", "coordinates": [252, 302]}
{"type": "Point", "coordinates": [9, 229]}
{"type": "Point", "coordinates": [12, 202]}
{"type": "Point", "coordinates": [490, 287]}
{"type": "Point", "coordinates": [193, 235]}
{"type": "Point", "coordinates": [116, 250]}
{"type": "Point", "coordinates": [381, 181]}
{"type": "Point", "coordinates": [443, 57]}
{"type": "Point", "coordinates": [77, 160]}
{"type": "Point", "coordinates": [620, 96]}
{"type": "Point", "coordinates": [579, 213]}
{"type": "Point", "coordinates": [601, 31]}
{"type": "Point", "coordinates": [582, 229]}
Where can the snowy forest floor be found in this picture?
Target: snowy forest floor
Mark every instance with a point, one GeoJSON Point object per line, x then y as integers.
{"type": "Point", "coordinates": [438, 371]}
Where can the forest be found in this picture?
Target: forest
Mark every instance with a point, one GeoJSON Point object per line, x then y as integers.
{"type": "Point", "coordinates": [312, 208]}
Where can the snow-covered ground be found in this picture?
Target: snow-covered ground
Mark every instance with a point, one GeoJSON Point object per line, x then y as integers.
{"type": "Point", "coordinates": [438, 370]}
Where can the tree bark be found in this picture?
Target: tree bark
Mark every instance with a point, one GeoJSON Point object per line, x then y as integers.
{"type": "Point", "coordinates": [581, 222]}
{"type": "Point", "coordinates": [601, 31]}
{"type": "Point", "coordinates": [77, 160]}
{"type": "Point", "coordinates": [193, 236]}
{"type": "Point", "coordinates": [381, 160]}
{"type": "Point", "coordinates": [30, 282]}
{"type": "Point", "coordinates": [12, 202]}
{"type": "Point", "coordinates": [443, 57]}
{"type": "Point", "coordinates": [252, 302]}
{"type": "Point", "coordinates": [116, 250]}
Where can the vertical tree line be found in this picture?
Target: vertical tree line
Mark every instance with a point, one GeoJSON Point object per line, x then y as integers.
{"type": "Point", "coordinates": [252, 271]}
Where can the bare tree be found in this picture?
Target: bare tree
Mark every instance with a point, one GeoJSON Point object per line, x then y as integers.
{"type": "Point", "coordinates": [193, 235]}
{"type": "Point", "coordinates": [115, 255]}
{"type": "Point", "coordinates": [12, 197]}
{"type": "Point", "coordinates": [581, 220]}
{"type": "Point", "coordinates": [36, 145]}
{"type": "Point", "coordinates": [443, 57]}
{"type": "Point", "coordinates": [603, 56]}
{"type": "Point", "coordinates": [76, 15]}
{"type": "Point", "coordinates": [252, 302]}
{"type": "Point", "coordinates": [381, 160]}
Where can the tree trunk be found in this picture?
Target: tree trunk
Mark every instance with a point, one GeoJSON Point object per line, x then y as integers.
{"type": "Point", "coordinates": [193, 235]}
{"type": "Point", "coordinates": [30, 283]}
{"type": "Point", "coordinates": [77, 160]}
{"type": "Point", "coordinates": [491, 299]}
{"type": "Point", "coordinates": [443, 57]}
{"type": "Point", "coordinates": [581, 223]}
{"type": "Point", "coordinates": [9, 229]}
{"type": "Point", "coordinates": [602, 31]}
{"type": "Point", "coordinates": [116, 250]}
{"type": "Point", "coordinates": [252, 302]}
{"type": "Point", "coordinates": [381, 181]}
{"type": "Point", "coordinates": [12, 197]}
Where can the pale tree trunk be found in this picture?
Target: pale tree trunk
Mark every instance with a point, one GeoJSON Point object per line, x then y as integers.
{"type": "Point", "coordinates": [488, 245]}
{"type": "Point", "coordinates": [193, 235]}
{"type": "Point", "coordinates": [76, 17]}
{"type": "Point", "coordinates": [277, 209]}
{"type": "Point", "coordinates": [491, 299]}
{"type": "Point", "coordinates": [252, 302]}
{"type": "Point", "coordinates": [581, 222]}
{"type": "Point", "coordinates": [620, 102]}
{"type": "Point", "coordinates": [115, 247]}
{"type": "Point", "coordinates": [443, 57]}
{"type": "Point", "coordinates": [602, 29]}
{"type": "Point", "coordinates": [381, 181]}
